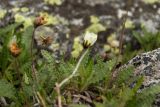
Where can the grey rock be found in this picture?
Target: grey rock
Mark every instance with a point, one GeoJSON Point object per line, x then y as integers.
{"type": "Point", "coordinates": [147, 64]}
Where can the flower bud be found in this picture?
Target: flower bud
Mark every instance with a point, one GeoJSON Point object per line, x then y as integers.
{"type": "Point", "coordinates": [14, 48]}
{"type": "Point", "coordinates": [40, 21]}
{"type": "Point", "coordinates": [89, 39]}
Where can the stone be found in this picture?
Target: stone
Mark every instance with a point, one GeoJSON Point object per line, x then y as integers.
{"type": "Point", "coordinates": [147, 64]}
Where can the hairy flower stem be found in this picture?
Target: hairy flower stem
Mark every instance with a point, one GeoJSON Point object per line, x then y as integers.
{"type": "Point", "coordinates": [32, 65]}
{"type": "Point", "coordinates": [34, 76]}
{"type": "Point", "coordinates": [59, 85]}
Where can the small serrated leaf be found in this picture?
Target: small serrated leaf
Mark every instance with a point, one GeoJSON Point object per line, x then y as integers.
{"type": "Point", "coordinates": [6, 89]}
{"type": "Point", "coordinates": [26, 79]}
{"type": "Point", "coordinates": [47, 56]}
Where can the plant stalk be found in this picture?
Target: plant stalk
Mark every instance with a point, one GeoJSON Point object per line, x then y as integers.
{"type": "Point", "coordinates": [59, 85]}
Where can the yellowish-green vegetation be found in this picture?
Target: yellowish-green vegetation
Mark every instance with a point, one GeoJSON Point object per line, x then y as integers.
{"type": "Point", "coordinates": [129, 24]}
{"type": "Point", "coordinates": [27, 21]}
{"type": "Point", "coordinates": [53, 2]}
{"type": "Point", "coordinates": [151, 1]}
{"type": "Point", "coordinates": [95, 26]}
{"type": "Point", "coordinates": [112, 45]}
{"type": "Point", "coordinates": [77, 47]}
{"type": "Point", "coordinates": [2, 13]}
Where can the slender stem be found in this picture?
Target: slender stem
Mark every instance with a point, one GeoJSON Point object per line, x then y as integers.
{"type": "Point", "coordinates": [16, 67]}
{"type": "Point", "coordinates": [32, 66]}
{"type": "Point", "coordinates": [59, 85]}
{"type": "Point", "coordinates": [41, 99]}
{"type": "Point", "coordinates": [122, 34]}
{"type": "Point", "coordinates": [59, 95]}
{"type": "Point", "coordinates": [75, 70]}
{"type": "Point", "coordinates": [114, 71]}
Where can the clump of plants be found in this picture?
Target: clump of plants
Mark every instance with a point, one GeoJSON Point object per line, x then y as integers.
{"type": "Point", "coordinates": [35, 77]}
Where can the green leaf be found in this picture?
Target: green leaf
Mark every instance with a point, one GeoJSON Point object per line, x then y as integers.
{"type": "Point", "coordinates": [144, 98]}
{"type": "Point", "coordinates": [124, 76]}
{"type": "Point", "coordinates": [102, 70]}
{"type": "Point", "coordinates": [49, 58]}
{"type": "Point", "coordinates": [26, 79]}
{"type": "Point", "coordinates": [6, 89]}
{"type": "Point", "coordinates": [8, 28]}
{"type": "Point", "coordinates": [145, 37]}
{"type": "Point", "coordinates": [86, 72]}
{"type": "Point", "coordinates": [4, 56]}
{"type": "Point", "coordinates": [27, 37]}
{"type": "Point", "coordinates": [25, 40]}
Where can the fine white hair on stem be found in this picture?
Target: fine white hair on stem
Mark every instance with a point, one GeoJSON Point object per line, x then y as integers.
{"type": "Point", "coordinates": [89, 40]}
{"type": "Point", "coordinates": [59, 85]}
{"type": "Point", "coordinates": [75, 70]}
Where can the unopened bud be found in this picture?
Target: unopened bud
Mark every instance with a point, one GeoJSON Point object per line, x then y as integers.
{"type": "Point", "coordinates": [40, 21]}
{"type": "Point", "coordinates": [14, 49]}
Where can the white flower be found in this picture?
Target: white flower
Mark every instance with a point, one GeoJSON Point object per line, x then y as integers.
{"type": "Point", "coordinates": [89, 39]}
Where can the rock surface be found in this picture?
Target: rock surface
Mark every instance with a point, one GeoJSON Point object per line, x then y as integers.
{"type": "Point", "coordinates": [147, 64]}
